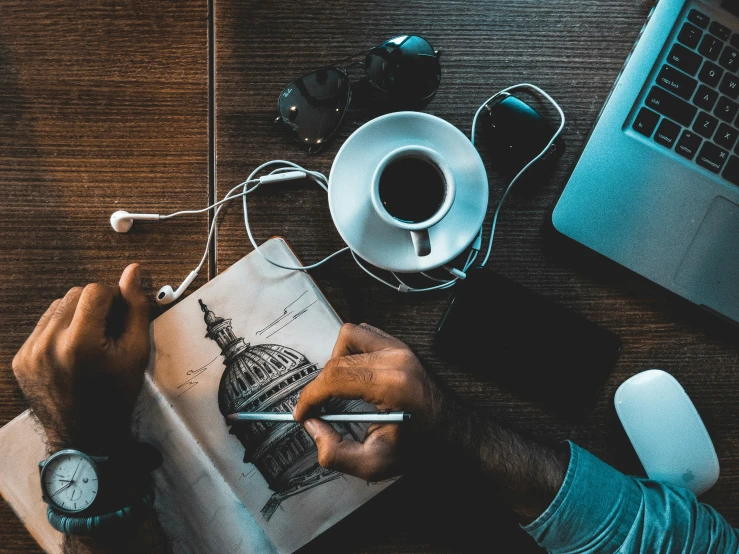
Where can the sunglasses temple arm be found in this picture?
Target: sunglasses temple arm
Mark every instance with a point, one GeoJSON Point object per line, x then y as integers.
{"type": "Point", "coordinates": [362, 53]}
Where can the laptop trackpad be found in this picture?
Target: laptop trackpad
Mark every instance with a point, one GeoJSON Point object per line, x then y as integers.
{"type": "Point", "coordinates": [710, 268]}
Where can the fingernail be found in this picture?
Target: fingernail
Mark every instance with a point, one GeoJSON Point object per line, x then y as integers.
{"type": "Point", "coordinates": [312, 428]}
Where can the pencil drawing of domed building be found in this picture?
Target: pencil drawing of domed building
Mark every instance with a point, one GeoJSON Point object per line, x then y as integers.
{"type": "Point", "coordinates": [268, 378]}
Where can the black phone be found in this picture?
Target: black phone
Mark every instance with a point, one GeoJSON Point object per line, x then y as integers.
{"type": "Point", "coordinates": [533, 346]}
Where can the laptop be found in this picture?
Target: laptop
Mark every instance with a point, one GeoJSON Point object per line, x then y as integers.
{"type": "Point", "coordinates": [656, 188]}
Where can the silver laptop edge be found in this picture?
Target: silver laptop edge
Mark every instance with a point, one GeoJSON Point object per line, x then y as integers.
{"type": "Point", "coordinates": [643, 205]}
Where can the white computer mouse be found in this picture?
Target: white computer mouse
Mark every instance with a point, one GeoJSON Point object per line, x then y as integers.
{"type": "Point", "coordinates": [666, 431]}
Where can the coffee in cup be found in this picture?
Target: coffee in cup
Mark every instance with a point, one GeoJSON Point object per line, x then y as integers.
{"type": "Point", "coordinates": [413, 189]}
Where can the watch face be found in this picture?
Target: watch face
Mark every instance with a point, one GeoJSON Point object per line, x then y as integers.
{"type": "Point", "coordinates": [69, 480]}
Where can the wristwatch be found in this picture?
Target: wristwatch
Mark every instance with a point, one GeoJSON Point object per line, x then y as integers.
{"type": "Point", "coordinates": [87, 492]}
{"type": "Point", "coordinates": [70, 481]}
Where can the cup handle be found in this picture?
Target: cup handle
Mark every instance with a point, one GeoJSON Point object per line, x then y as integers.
{"type": "Point", "coordinates": [421, 242]}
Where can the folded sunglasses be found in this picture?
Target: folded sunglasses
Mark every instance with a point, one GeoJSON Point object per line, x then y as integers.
{"type": "Point", "coordinates": [405, 70]}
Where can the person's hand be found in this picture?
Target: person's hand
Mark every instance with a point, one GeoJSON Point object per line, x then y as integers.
{"type": "Point", "coordinates": [82, 367]}
{"type": "Point", "coordinates": [369, 364]}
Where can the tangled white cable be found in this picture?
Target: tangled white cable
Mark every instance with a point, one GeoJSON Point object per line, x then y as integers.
{"type": "Point", "coordinates": [122, 221]}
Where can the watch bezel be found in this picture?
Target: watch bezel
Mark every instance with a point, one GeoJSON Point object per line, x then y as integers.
{"type": "Point", "coordinates": [44, 491]}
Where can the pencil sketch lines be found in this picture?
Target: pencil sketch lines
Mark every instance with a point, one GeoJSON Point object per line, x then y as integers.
{"type": "Point", "coordinates": [191, 375]}
{"type": "Point", "coordinates": [289, 314]}
{"type": "Point", "coordinates": [284, 315]}
{"type": "Point", "coordinates": [294, 317]}
{"type": "Point", "coordinates": [268, 378]}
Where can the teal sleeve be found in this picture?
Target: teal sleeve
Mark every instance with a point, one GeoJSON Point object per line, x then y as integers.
{"type": "Point", "coordinates": [600, 510]}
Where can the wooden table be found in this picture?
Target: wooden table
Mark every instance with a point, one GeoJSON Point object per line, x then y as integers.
{"type": "Point", "coordinates": [159, 106]}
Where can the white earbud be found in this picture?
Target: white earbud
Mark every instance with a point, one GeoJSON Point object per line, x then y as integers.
{"type": "Point", "coordinates": [167, 295]}
{"type": "Point", "coordinates": [122, 221]}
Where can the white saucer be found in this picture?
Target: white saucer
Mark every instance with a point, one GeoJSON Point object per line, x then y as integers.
{"type": "Point", "coordinates": [349, 184]}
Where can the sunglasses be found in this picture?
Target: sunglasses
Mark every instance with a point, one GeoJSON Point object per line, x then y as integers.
{"type": "Point", "coordinates": [404, 70]}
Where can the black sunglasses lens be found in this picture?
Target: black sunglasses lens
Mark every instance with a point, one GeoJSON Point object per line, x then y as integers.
{"type": "Point", "coordinates": [312, 107]}
{"type": "Point", "coordinates": [407, 68]}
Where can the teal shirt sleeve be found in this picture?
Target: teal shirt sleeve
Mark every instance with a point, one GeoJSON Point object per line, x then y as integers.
{"type": "Point", "coordinates": [600, 510]}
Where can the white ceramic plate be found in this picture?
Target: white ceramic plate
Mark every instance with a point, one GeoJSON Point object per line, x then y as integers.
{"type": "Point", "coordinates": [349, 184]}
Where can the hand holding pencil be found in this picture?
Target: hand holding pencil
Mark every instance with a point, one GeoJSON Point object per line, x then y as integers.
{"type": "Point", "coordinates": [381, 370]}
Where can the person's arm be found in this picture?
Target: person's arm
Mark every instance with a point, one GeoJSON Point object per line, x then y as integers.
{"type": "Point", "coordinates": [369, 364]}
{"type": "Point", "coordinates": [570, 501]}
{"type": "Point", "coordinates": [599, 509]}
{"type": "Point", "coordinates": [81, 371]}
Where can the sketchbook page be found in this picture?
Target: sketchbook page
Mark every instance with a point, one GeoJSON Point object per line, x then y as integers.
{"type": "Point", "coordinates": [249, 340]}
{"type": "Point", "coordinates": [22, 447]}
{"type": "Point", "coordinates": [195, 506]}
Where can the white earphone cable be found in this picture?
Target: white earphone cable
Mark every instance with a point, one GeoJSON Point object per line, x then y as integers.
{"type": "Point", "coordinates": [528, 165]}
{"type": "Point", "coordinates": [321, 180]}
{"type": "Point", "coordinates": [225, 199]}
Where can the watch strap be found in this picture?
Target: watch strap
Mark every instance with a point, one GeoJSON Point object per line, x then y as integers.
{"type": "Point", "coordinates": [119, 520]}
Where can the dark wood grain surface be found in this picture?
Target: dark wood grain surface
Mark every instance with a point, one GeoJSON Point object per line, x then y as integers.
{"type": "Point", "coordinates": [572, 49]}
{"type": "Point", "coordinates": [105, 105]}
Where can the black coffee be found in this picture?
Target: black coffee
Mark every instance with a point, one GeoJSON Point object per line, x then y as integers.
{"type": "Point", "coordinates": [412, 189]}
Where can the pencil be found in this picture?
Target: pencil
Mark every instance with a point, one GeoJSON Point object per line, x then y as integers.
{"type": "Point", "coordinates": [360, 417]}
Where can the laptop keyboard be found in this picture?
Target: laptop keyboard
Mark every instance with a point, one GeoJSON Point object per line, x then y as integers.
{"type": "Point", "coordinates": [693, 105]}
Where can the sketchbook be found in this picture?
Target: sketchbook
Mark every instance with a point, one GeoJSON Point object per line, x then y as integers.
{"type": "Point", "coordinates": [248, 340]}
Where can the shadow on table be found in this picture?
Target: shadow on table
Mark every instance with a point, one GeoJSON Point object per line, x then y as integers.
{"type": "Point", "coordinates": [447, 513]}
{"type": "Point", "coordinates": [28, 223]}
{"type": "Point", "coordinates": [35, 240]}
{"type": "Point", "coordinates": [566, 252]}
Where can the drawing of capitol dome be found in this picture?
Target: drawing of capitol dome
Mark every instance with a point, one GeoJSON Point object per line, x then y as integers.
{"type": "Point", "coordinates": [268, 378]}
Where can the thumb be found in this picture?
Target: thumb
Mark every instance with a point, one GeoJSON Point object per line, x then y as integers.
{"type": "Point", "coordinates": [333, 451]}
{"type": "Point", "coordinates": [369, 460]}
{"type": "Point", "coordinates": [136, 322]}
{"type": "Point", "coordinates": [376, 331]}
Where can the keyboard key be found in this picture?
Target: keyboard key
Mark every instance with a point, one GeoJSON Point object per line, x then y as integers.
{"type": "Point", "coordinates": [705, 98]}
{"type": "Point", "coordinates": [684, 59]}
{"type": "Point", "coordinates": [705, 125]}
{"type": "Point", "coordinates": [726, 136]}
{"type": "Point", "coordinates": [645, 122]}
{"type": "Point", "coordinates": [730, 86]}
{"type": "Point", "coordinates": [712, 157]}
{"type": "Point", "coordinates": [667, 133]}
{"type": "Point", "coordinates": [690, 35]}
{"type": "Point", "coordinates": [726, 109]}
{"type": "Point", "coordinates": [735, 40]}
{"type": "Point", "coordinates": [719, 30]}
{"type": "Point", "coordinates": [711, 74]}
{"type": "Point", "coordinates": [710, 47]}
{"type": "Point", "coordinates": [676, 81]}
{"type": "Point", "coordinates": [671, 106]}
{"type": "Point", "coordinates": [698, 18]}
{"type": "Point", "coordinates": [688, 144]}
{"type": "Point", "coordinates": [731, 173]}
{"type": "Point", "coordinates": [729, 59]}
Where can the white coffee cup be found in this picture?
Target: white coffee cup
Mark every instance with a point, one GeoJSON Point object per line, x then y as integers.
{"type": "Point", "coordinates": [418, 229]}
